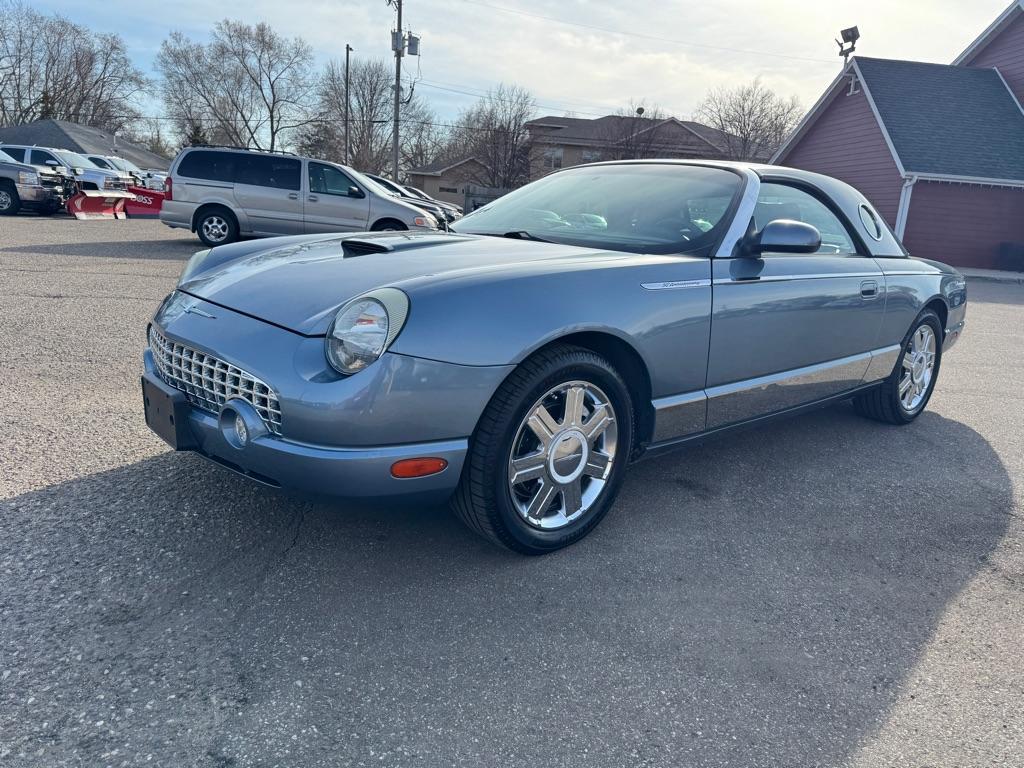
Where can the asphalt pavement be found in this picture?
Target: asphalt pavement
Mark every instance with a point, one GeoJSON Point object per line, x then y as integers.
{"type": "Point", "coordinates": [825, 591]}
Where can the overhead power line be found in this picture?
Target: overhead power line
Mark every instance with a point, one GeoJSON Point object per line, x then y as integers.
{"type": "Point", "coordinates": [644, 35]}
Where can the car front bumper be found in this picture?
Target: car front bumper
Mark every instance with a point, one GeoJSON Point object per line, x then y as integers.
{"type": "Point", "coordinates": [36, 195]}
{"type": "Point", "coordinates": [338, 435]}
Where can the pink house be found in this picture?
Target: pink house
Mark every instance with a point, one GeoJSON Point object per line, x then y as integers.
{"type": "Point", "coordinates": [939, 149]}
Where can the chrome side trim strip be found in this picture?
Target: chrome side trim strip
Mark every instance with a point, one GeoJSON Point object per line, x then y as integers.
{"type": "Point", "coordinates": [882, 362]}
{"type": "Point", "coordinates": [679, 415]}
{"type": "Point", "coordinates": [782, 278]}
{"type": "Point", "coordinates": [742, 400]}
{"type": "Point", "coordinates": [911, 272]}
{"type": "Point", "coordinates": [674, 284]}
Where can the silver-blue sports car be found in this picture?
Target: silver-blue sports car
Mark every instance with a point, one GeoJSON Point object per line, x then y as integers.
{"type": "Point", "coordinates": [519, 363]}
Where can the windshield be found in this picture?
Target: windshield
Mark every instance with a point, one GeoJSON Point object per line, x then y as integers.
{"type": "Point", "coordinates": [638, 208]}
{"type": "Point", "coordinates": [5, 158]}
{"type": "Point", "coordinates": [74, 159]}
{"type": "Point", "coordinates": [124, 165]}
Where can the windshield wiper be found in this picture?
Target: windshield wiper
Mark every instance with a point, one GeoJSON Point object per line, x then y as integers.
{"type": "Point", "coordinates": [522, 234]}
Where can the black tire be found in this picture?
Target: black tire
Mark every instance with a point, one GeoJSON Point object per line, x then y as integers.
{"type": "Point", "coordinates": [10, 202]}
{"type": "Point", "coordinates": [483, 500]}
{"type": "Point", "coordinates": [216, 218]}
{"type": "Point", "coordinates": [882, 403]}
{"type": "Point", "coordinates": [388, 225]}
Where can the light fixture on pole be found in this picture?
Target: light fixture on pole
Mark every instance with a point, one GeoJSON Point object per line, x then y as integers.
{"type": "Point", "coordinates": [848, 44]}
{"type": "Point", "coordinates": [348, 50]}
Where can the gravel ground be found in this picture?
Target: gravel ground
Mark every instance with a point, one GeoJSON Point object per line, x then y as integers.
{"type": "Point", "coordinates": [823, 592]}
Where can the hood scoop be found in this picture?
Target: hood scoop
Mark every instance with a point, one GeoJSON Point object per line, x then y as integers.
{"type": "Point", "coordinates": [351, 247]}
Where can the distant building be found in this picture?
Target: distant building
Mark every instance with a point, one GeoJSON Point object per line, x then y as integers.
{"type": "Point", "coordinates": [938, 149]}
{"type": "Point", "coordinates": [560, 142]}
{"type": "Point", "coordinates": [447, 179]}
{"type": "Point", "coordinates": [84, 139]}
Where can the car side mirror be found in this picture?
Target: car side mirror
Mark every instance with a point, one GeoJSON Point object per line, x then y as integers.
{"type": "Point", "coordinates": [355, 191]}
{"type": "Point", "coordinates": [52, 162]}
{"type": "Point", "coordinates": [784, 236]}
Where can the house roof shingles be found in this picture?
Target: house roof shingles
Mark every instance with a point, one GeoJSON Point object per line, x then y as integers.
{"type": "Point", "coordinates": [946, 120]}
{"type": "Point", "coordinates": [61, 134]}
{"type": "Point", "coordinates": [570, 129]}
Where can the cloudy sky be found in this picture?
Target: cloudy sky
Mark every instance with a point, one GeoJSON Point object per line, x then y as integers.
{"type": "Point", "coordinates": [584, 56]}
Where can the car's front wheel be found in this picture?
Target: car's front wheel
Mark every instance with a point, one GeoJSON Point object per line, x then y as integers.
{"type": "Point", "coordinates": [10, 203]}
{"type": "Point", "coordinates": [903, 396]}
{"type": "Point", "coordinates": [548, 455]}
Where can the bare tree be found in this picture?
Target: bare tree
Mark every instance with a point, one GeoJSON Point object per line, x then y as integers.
{"type": "Point", "coordinates": [248, 86]}
{"type": "Point", "coordinates": [370, 116]}
{"type": "Point", "coordinates": [753, 118]}
{"type": "Point", "coordinates": [494, 132]}
{"type": "Point", "coordinates": [53, 68]}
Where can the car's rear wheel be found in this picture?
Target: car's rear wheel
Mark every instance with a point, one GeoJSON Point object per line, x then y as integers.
{"type": "Point", "coordinates": [10, 203]}
{"type": "Point", "coordinates": [216, 226]}
{"type": "Point", "coordinates": [903, 396]}
{"type": "Point", "coordinates": [548, 455]}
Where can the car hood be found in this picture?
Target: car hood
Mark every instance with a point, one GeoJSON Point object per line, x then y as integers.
{"type": "Point", "coordinates": [302, 282]}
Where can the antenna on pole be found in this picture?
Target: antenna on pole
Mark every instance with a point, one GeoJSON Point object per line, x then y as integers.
{"type": "Point", "coordinates": [848, 44]}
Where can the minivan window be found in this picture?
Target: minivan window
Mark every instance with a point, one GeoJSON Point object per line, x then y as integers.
{"type": "Point", "coordinates": [264, 171]}
{"type": "Point", "coordinates": [16, 153]}
{"type": "Point", "coordinates": [213, 166]}
{"type": "Point", "coordinates": [328, 180]}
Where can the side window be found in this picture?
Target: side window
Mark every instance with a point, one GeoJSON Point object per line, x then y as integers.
{"type": "Point", "coordinates": [16, 153]}
{"type": "Point", "coordinates": [39, 157]}
{"type": "Point", "coordinates": [264, 171]}
{"type": "Point", "coordinates": [101, 163]}
{"type": "Point", "coordinates": [779, 201]}
{"type": "Point", "coordinates": [213, 166]}
{"type": "Point", "coordinates": [328, 180]}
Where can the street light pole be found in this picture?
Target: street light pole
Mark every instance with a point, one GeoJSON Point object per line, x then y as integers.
{"type": "Point", "coordinates": [398, 43]}
{"type": "Point", "coordinates": [348, 50]}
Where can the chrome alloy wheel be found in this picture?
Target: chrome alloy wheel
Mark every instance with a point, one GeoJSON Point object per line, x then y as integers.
{"type": "Point", "coordinates": [6, 201]}
{"type": "Point", "coordinates": [918, 368]}
{"type": "Point", "coordinates": [215, 228]}
{"type": "Point", "coordinates": [559, 466]}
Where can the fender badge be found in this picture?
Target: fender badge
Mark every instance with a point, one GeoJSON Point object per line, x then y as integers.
{"type": "Point", "coordinates": [675, 284]}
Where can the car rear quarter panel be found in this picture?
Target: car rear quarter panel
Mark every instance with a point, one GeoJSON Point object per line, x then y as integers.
{"type": "Point", "coordinates": [910, 285]}
{"type": "Point", "coordinates": [482, 319]}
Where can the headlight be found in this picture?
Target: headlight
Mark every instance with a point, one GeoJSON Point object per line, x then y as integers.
{"type": "Point", "coordinates": [364, 328]}
{"type": "Point", "coordinates": [28, 177]}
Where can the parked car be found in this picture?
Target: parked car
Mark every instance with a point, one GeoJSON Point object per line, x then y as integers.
{"type": "Point", "coordinates": [66, 162]}
{"type": "Point", "coordinates": [150, 179]}
{"type": "Point", "coordinates": [520, 363]}
{"type": "Point", "coordinates": [221, 193]}
{"type": "Point", "coordinates": [417, 192]}
{"type": "Point", "coordinates": [400, 192]}
{"type": "Point", "coordinates": [22, 186]}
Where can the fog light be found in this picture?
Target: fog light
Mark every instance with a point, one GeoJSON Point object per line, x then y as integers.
{"type": "Point", "coordinates": [407, 468]}
{"type": "Point", "coordinates": [241, 431]}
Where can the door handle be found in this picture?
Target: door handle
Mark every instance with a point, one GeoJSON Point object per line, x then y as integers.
{"type": "Point", "coordinates": [869, 289]}
{"type": "Point", "coordinates": [293, 195]}
{"type": "Point", "coordinates": [312, 198]}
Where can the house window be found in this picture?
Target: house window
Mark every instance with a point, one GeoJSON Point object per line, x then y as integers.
{"type": "Point", "coordinates": [454, 190]}
{"type": "Point", "coordinates": [553, 158]}
{"type": "Point", "coordinates": [591, 155]}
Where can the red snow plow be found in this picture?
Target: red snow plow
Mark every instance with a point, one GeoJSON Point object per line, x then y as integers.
{"type": "Point", "coordinates": [99, 204]}
{"type": "Point", "coordinates": [145, 203]}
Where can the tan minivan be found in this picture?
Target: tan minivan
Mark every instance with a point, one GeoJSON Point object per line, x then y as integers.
{"type": "Point", "coordinates": [221, 193]}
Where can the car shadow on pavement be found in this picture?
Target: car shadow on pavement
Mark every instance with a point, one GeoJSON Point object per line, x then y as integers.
{"type": "Point", "coordinates": [754, 601]}
{"type": "Point", "coordinates": [165, 249]}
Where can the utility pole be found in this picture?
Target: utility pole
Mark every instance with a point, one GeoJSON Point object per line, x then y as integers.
{"type": "Point", "coordinates": [348, 50]}
{"type": "Point", "coordinates": [398, 44]}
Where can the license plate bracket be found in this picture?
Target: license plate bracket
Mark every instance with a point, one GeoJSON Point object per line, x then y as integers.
{"type": "Point", "coordinates": [167, 414]}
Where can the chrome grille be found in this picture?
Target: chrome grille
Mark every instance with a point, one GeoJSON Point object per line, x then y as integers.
{"type": "Point", "coordinates": [209, 382]}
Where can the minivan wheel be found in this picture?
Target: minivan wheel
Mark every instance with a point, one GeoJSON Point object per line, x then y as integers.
{"type": "Point", "coordinates": [10, 203]}
{"type": "Point", "coordinates": [388, 225]}
{"type": "Point", "coordinates": [548, 456]}
{"type": "Point", "coordinates": [904, 394]}
{"type": "Point", "coordinates": [216, 226]}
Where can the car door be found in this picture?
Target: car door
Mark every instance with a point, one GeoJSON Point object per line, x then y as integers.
{"type": "Point", "coordinates": [789, 329]}
{"type": "Point", "coordinates": [331, 203]}
{"type": "Point", "coordinates": [269, 189]}
{"type": "Point", "coordinates": [45, 160]}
